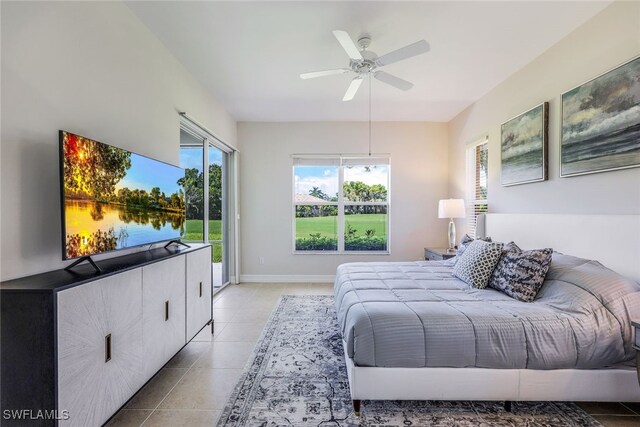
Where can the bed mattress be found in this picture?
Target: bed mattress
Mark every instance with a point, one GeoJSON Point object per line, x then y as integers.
{"type": "Point", "coordinates": [417, 314]}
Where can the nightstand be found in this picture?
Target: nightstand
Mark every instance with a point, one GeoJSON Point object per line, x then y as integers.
{"type": "Point", "coordinates": [438, 254]}
{"type": "Point", "coordinates": [636, 344]}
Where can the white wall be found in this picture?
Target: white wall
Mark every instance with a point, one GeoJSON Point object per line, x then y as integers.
{"type": "Point", "coordinates": [93, 69]}
{"type": "Point", "coordinates": [418, 179]}
{"type": "Point", "coordinates": [609, 39]}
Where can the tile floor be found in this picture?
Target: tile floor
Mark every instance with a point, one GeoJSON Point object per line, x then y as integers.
{"type": "Point", "coordinates": [192, 389]}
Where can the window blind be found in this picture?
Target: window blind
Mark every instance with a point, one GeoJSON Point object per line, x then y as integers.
{"type": "Point", "coordinates": [339, 160]}
{"type": "Point", "coordinates": [364, 161]}
{"type": "Point", "coordinates": [476, 194]}
{"type": "Point", "coordinates": [316, 161]}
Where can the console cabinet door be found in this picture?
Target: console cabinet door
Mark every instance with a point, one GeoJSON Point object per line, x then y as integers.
{"type": "Point", "coordinates": [198, 290]}
{"type": "Point", "coordinates": [99, 347]}
{"type": "Point", "coordinates": [163, 312]}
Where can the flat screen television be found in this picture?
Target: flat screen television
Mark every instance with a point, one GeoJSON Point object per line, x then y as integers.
{"type": "Point", "coordinates": [114, 199]}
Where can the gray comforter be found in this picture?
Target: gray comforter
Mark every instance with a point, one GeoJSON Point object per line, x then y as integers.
{"type": "Point", "coordinates": [416, 314]}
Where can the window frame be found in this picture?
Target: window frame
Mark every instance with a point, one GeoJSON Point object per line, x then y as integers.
{"type": "Point", "coordinates": [341, 162]}
{"type": "Point", "coordinates": [473, 168]}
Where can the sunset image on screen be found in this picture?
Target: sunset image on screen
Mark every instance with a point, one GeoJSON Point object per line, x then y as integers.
{"type": "Point", "coordinates": [115, 199]}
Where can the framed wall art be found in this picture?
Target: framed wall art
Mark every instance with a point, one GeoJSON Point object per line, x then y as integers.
{"type": "Point", "coordinates": [600, 128]}
{"type": "Point", "coordinates": [524, 146]}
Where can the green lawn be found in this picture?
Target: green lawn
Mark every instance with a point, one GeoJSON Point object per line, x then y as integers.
{"type": "Point", "coordinates": [364, 222]}
{"type": "Point", "coordinates": [193, 230]}
{"type": "Point", "coordinates": [327, 226]}
{"type": "Point", "coordinates": [193, 233]}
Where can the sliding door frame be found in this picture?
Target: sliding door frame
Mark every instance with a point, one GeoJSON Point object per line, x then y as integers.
{"type": "Point", "coordinates": [229, 188]}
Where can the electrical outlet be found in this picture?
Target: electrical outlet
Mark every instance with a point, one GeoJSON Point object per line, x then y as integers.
{"type": "Point", "coordinates": [261, 260]}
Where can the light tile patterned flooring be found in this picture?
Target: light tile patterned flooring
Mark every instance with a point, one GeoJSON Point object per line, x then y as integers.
{"type": "Point", "coordinates": [192, 389]}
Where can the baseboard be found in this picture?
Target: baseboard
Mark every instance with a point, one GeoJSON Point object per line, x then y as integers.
{"type": "Point", "coordinates": [287, 278]}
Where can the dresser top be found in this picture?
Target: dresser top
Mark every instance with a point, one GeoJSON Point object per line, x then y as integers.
{"type": "Point", "coordinates": [443, 251]}
{"type": "Point", "coordinates": [58, 280]}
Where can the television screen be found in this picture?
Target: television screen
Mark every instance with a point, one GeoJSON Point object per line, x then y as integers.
{"type": "Point", "coordinates": [114, 199]}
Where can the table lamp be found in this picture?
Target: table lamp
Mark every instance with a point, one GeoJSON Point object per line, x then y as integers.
{"type": "Point", "coordinates": [451, 208]}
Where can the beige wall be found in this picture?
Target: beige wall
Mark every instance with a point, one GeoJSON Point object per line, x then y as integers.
{"type": "Point", "coordinates": [418, 179]}
{"type": "Point", "coordinates": [95, 69]}
{"type": "Point", "coordinates": [90, 68]}
{"type": "Point", "coordinates": [610, 38]}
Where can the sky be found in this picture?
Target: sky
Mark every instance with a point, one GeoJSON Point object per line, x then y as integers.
{"type": "Point", "coordinates": [326, 177]}
{"type": "Point", "coordinates": [192, 157]}
{"type": "Point", "coordinates": [146, 173]}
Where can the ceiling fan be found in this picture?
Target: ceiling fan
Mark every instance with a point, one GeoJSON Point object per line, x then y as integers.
{"type": "Point", "coordinates": [366, 63]}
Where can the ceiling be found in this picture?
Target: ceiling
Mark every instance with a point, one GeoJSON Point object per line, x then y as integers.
{"type": "Point", "coordinates": [250, 54]}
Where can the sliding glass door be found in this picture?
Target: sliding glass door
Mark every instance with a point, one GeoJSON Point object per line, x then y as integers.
{"type": "Point", "coordinates": [192, 159]}
{"type": "Point", "coordinates": [217, 213]}
{"type": "Point", "coordinates": [209, 201]}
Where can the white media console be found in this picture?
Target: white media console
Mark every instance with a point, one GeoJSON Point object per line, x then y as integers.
{"type": "Point", "coordinates": [82, 344]}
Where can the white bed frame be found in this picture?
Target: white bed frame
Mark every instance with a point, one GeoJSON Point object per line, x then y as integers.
{"type": "Point", "coordinates": [614, 240]}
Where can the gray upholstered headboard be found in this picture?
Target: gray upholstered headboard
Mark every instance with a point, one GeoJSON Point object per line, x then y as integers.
{"type": "Point", "coordinates": [613, 240]}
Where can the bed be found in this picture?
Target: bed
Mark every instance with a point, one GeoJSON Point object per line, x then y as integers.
{"type": "Point", "coordinates": [412, 331]}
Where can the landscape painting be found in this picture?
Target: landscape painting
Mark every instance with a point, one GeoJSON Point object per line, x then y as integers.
{"type": "Point", "coordinates": [523, 147]}
{"type": "Point", "coordinates": [115, 199]}
{"type": "Point", "coordinates": [601, 123]}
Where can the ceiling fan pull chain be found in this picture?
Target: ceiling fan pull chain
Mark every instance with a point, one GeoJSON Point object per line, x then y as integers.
{"type": "Point", "coordinates": [369, 115]}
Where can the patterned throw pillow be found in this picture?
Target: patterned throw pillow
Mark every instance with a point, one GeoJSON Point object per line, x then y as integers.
{"type": "Point", "coordinates": [520, 274]}
{"type": "Point", "coordinates": [509, 247]}
{"type": "Point", "coordinates": [477, 263]}
{"type": "Point", "coordinates": [466, 241]}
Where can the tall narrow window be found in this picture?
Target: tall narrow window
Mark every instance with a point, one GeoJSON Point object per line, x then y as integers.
{"type": "Point", "coordinates": [477, 167]}
{"type": "Point", "coordinates": [341, 204]}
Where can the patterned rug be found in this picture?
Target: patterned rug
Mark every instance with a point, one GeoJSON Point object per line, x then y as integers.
{"type": "Point", "coordinates": [297, 377]}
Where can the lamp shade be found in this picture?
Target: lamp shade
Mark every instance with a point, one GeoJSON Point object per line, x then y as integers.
{"type": "Point", "coordinates": [451, 208]}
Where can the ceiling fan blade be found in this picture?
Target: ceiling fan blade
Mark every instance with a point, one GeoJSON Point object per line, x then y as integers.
{"type": "Point", "coordinates": [403, 53]}
{"type": "Point", "coordinates": [394, 81]}
{"type": "Point", "coordinates": [315, 74]}
{"type": "Point", "coordinates": [347, 44]}
{"type": "Point", "coordinates": [352, 89]}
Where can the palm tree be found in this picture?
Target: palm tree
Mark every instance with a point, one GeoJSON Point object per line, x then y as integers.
{"type": "Point", "coordinates": [317, 192]}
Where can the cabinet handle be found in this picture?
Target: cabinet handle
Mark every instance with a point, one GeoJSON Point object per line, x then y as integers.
{"type": "Point", "coordinates": [200, 289]}
{"type": "Point", "coordinates": [166, 311]}
{"type": "Point", "coordinates": [107, 348]}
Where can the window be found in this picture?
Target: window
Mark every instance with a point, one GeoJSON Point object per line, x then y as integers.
{"type": "Point", "coordinates": [477, 166]}
{"type": "Point", "coordinates": [341, 204]}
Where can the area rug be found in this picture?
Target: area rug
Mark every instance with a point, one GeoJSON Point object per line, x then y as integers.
{"type": "Point", "coordinates": [297, 377]}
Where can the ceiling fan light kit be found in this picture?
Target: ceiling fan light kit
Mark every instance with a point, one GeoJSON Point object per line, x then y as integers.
{"type": "Point", "coordinates": [365, 63]}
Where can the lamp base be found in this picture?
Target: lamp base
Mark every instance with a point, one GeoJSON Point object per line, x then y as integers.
{"type": "Point", "coordinates": [452, 235]}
